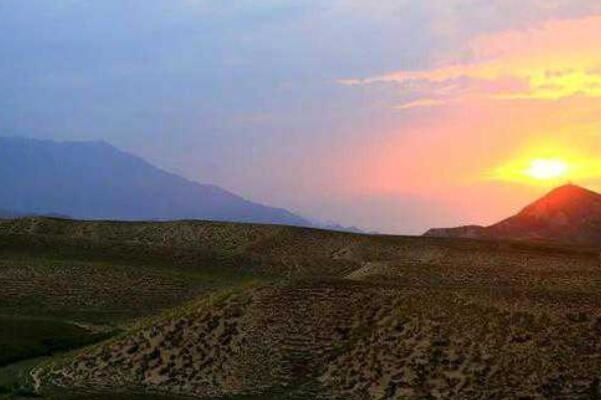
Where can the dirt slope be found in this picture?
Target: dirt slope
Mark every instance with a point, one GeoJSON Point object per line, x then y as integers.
{"type": "Point", "coordinates": [365, 317]}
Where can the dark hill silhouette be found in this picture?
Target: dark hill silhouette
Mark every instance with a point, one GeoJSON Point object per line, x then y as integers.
{"type": "Point", "coordinates": [94, 180]}
{"type": "Point", "coordinates": [6, 214]}
{"type": "Point", "coordinates": [569, 214]}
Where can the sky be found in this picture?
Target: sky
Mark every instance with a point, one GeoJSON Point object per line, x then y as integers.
{"type": "Point", "coordinates": [393, 116]}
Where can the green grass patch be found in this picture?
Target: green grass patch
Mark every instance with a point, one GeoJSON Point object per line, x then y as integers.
{"type": "Point", "coordinates": [22, 338]}
{"type": "Point", "coordinates": [102, 292]}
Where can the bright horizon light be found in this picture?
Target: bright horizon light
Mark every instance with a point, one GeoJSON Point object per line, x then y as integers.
{"type": "Point", "coordinates": [550, 169]}
{"type": "Point", "coordinates": [547, 169]}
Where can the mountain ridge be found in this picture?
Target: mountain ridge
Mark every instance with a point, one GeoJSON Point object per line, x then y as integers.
{"type": "Point", "coordinates": [569, 214]}
{"type": "Point", "coordinates": [95, 180]}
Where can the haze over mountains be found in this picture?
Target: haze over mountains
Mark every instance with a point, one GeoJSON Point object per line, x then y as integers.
{"type": "Point", "coordinates": [94, 180]}
{"type": "Point", "coordinates": [569, 214]}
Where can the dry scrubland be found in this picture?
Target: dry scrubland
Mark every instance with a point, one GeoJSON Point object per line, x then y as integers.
{"type": "Point", "coordinates": [264, 312]}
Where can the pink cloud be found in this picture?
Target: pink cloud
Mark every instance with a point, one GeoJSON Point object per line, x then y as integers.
{"type": "Point", "coordinates": [554, 60]}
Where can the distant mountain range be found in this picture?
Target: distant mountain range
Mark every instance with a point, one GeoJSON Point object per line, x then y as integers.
{"type": "Point", "coordinates": [568, 214]}
{"type": "Point", "coordinates": [94, 180]}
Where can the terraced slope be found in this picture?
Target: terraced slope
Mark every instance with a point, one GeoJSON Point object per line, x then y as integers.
{"type": "Point", "coordinates": [90, 291]}
{"type": "Point", "coordinates": [318, 315]}
{"type": "Point", "coordinates": [73, 276]}
{"type": "Point", "coordinates": [110, 272]}
{"type": "Point", "coordinates": [267, 249]}
{"type": "Point", "coordinates": [359, 341]}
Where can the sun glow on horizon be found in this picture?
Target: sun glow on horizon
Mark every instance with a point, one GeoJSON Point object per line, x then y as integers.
{"type": "Point", "coordinates": [547, 169]}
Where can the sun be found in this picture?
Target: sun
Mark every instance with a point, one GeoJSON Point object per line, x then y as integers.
{"type": "Point", "coordinates": [545, 163]}
{"type": "Point", "coordinates": [547, 169]}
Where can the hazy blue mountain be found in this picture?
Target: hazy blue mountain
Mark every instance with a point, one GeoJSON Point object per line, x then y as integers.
{"type": "Point", "coordinates": [340, 228]}
{"type": "Point", "coordinates": [94, 180]}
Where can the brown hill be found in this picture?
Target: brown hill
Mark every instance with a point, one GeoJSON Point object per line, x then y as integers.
{"type": "Point", "coordinates": [568, 214]}
{"type": "Point", "coordinates": [327, 315]}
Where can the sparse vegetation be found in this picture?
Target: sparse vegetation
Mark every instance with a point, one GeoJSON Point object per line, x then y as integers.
{"type": "Point", "coordinates": [225, 311]}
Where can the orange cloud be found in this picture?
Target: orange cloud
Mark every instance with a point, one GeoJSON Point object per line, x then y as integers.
{"type": "Point", "coordinates": [552, 61]}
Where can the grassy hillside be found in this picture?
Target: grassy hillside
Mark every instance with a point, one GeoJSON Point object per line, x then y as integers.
{"type": "Point", "coordinates": [65, 285]}
{"type": "Point", "coordinates": [108, 272]}
{"type": "Point", "coordinates": [227, 311]}
{"type": "Point", "coordinates": [344, 340]}
{"type": "Point", "coordinates": [23, 338]}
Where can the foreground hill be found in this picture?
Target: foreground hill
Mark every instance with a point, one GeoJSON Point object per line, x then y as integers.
{"type": "Point", "coordinates": [94, 180]}
{"type": "Point", "coordinates": [6, 214]}
{"type": "Point", "coordinates": [223, 311]}
{"type": "Point", "coordinates": [569, 214]}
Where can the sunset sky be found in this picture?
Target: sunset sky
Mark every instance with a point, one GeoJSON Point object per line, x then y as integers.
{"type": "Point", "coordinates": [394, 116]}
